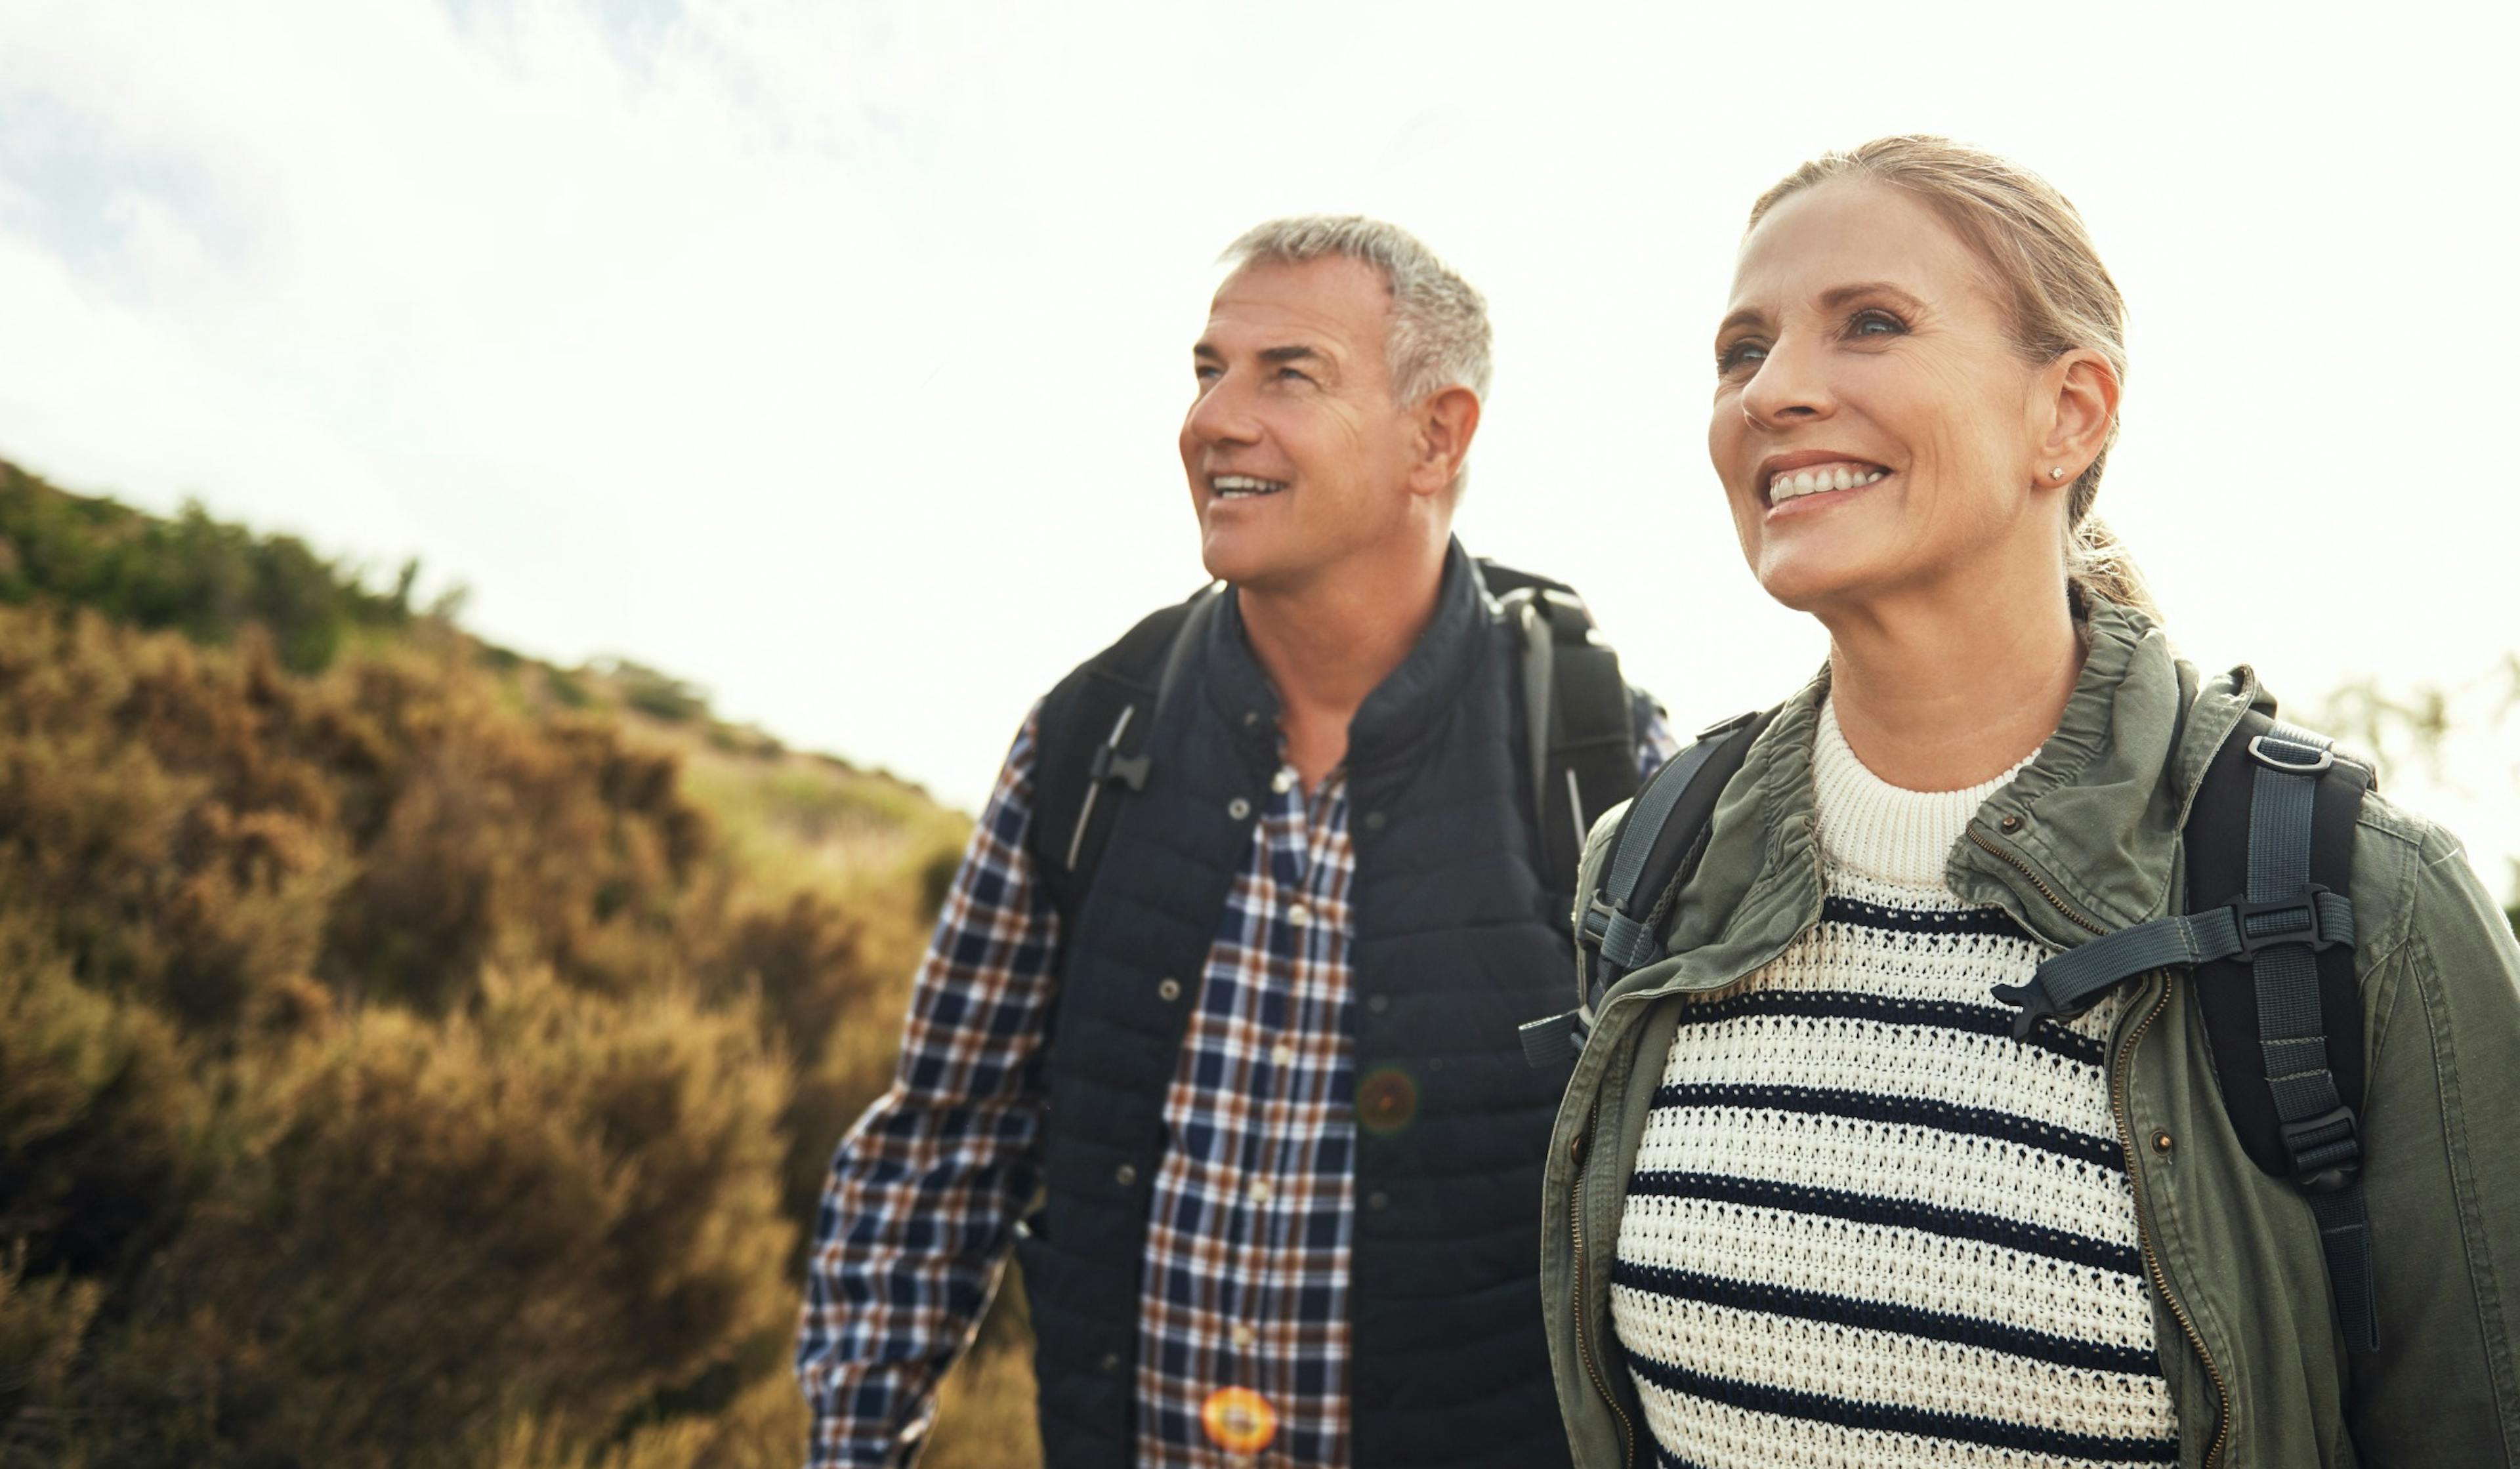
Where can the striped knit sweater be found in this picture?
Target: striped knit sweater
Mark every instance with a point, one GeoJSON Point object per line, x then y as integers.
{"type": "Point", "coordinates": [1867, 1228]}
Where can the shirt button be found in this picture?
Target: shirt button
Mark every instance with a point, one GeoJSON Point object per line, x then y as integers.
{"type": "Point", "coordinates": [1377, 1201]}
{"type": "Point", "coordinates": [1378, 1002]}
{"type": "Point", "coordinates": [1299, 914]}
{"type": "Point", "coordinates": [1110, 1362]}
{"type": "Point", "coordinates": [1243, 1334]}
{"type": "Point", "coordinates": [1283, 782]}
{"type": "Point", "coordinates": [1260, 1190]}
{"type": "Point", "coordinates": [1168, 990]}
{"type": "Point", "coordinates": [1125, 1175]}
{"type": "Point", "coordinates": [1237, 808]}
{"type": "Point", "coordinates": [1284, 1054]}
{"type": "Point", "coordinates": [1373, 821]}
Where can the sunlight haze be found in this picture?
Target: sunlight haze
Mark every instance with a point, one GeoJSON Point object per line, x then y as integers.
{"type": "Point", "coordinates": [831, 356]}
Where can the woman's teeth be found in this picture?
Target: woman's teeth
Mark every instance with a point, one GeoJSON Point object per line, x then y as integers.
{"type": "Point", "coordinates": [1244, 486]}
{"type": "Point", "coordinates": [1799, 482]}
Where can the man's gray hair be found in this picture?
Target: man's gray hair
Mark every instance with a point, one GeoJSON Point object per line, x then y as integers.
{"type": "Point", "coordinates": [1439, 325]}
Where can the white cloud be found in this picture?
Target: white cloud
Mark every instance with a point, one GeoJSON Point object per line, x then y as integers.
{"type": "Point", "coordinates": [832, 354]}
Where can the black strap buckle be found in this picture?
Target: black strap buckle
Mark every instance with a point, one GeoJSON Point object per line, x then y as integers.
{"type": "Point", "coordinates": [2276, 752]}
{"type": "Point", "coordinates": [2285, 920]}
{"type": "Point", "coordinates": [1111, 765]}
{"type": "Point", "coordinates": [2326, 1149]}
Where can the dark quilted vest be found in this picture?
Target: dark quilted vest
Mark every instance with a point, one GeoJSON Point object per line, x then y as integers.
{"type": "Point", "coordinates": [1454, 946]}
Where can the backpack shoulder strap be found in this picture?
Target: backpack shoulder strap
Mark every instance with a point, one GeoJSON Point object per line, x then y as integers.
{"type": "Point", "coordinates": [1579, 720]}
{"type": "Point", "coordinates": [1093, 736]}
{"type": "Point", "coordinates": [2269, 933]}
{"type": "Point", "coordinates": [1654, 850]}
{"type": "Point", "coordinates": [2273, 825]}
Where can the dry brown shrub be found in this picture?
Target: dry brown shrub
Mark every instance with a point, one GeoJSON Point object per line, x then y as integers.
{"type": "Point", "coordinates": [558, 1209]}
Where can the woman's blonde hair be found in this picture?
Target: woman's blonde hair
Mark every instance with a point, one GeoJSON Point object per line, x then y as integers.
{"type": "Point", "coordinates": [2030, 236]}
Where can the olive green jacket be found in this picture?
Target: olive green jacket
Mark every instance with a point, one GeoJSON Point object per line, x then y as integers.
{"type": "Point", "coordinates": [2086, 838]}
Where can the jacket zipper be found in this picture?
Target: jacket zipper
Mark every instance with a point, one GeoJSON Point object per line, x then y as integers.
{"type": "Point", "coordinates": [2126, 1143]}
{"type": "Point", "coordinates": [1583, 1298]}
{"type": "Point", "coordinates": [2044, 891]}
{"type": "Point", "coordinates": [2152, 1260]}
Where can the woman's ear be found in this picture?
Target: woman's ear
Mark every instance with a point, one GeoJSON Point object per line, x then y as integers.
{"type": "Point", "coordinates": [2081, 406]}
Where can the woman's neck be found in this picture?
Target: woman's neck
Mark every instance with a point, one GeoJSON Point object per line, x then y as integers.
{"type": "Point", "coordinates": [1935, 693]}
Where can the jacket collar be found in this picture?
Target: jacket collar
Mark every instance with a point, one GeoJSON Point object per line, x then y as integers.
{"type": "Point", "coordinates": [1409, 703]}
{"type": "Point", "coordinates": [2084, 840]}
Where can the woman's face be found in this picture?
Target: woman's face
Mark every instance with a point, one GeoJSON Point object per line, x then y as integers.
{"type": "Point", "coordinates": [1877, 434]}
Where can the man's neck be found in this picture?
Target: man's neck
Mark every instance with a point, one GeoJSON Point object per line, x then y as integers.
{"type": "Point", "coordinates": [1328, 644]}
{"type": "Point", "coordinates": [1943, 692]}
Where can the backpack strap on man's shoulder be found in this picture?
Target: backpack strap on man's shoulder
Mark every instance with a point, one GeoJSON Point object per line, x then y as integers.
{"type": "Point", "coordinates": [1579, 718]}
{"type": "Point", "coordinates": [2269, 933]}
{"type": "Point", "coordinates": [1094, 732]}
{"type": "Point", "coordinates": [1654, 850]}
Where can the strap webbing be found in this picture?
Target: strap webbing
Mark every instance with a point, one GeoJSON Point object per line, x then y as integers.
{"type": "Point", "coordinates": [2318, 1128]}
{"type": "Point", "coordinates": [2067, 984]}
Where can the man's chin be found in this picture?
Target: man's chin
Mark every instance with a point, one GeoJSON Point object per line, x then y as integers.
{"type": "Point", "coordinates": [1232, 558]}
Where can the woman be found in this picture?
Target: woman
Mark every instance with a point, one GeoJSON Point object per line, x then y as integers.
{"type": "Point", "coordinates": [1812, 1202]}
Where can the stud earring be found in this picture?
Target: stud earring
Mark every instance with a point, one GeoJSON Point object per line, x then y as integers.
{"type": "Point", "coordinates": [2056, 474]}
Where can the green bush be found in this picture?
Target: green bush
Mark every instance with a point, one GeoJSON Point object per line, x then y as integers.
{"type": "Point", "coordinates": [203, 577]}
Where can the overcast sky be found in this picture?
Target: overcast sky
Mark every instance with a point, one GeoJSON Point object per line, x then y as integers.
{"type": "Point", "coordinates": [831, 354]}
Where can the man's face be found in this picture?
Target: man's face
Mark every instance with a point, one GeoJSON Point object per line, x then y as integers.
{"type": "Point", "coordinates": [1297, 456]}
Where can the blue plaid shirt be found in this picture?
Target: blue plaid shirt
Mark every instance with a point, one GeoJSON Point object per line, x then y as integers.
{"type": "Point", "coordinates": [1243, 1325]}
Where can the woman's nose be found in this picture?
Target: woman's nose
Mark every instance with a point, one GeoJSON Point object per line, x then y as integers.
{"type": "Point", "coordinates": [1791, 384]}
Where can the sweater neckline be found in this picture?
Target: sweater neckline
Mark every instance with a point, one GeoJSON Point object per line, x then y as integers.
{"type": "Point", "coordinates": [1882, 831]}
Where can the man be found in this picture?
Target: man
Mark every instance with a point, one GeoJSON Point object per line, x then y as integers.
{"type": "Point", "coordinates": [1232, 972]}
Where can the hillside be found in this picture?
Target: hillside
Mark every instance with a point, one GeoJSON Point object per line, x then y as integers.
{"type": "Point", "coordinates": [412, 1052]}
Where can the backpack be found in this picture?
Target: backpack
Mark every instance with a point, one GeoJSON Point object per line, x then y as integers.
{"type": "Point", "coordinates": [2269, 933]}
{"type": "Point", "coordinates": [1578, 724]}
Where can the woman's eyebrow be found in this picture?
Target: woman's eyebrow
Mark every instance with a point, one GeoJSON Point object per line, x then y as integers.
{"type": "Point", "coordinates": [1839, 296]}
{"type": "Point", "coordinates": [1747, 316]}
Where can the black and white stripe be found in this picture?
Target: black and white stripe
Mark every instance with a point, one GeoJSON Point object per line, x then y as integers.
{"type": "Point", "coordinates": [1868, 1230]}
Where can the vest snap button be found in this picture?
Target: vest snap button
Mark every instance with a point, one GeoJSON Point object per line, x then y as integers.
{"type": "Point", "coordinates": [1237, 808]}
{"type": "Point", "coordinates": [1125, 1175]}
{"type": "Point", "coordinates": [2011, 824]}
{"type": "Point", "coordinates": [1168, 990]}
{"type": "Point", "coordinates": [2161, 1143]}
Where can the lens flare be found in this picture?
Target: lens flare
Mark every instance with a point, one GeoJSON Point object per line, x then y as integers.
{"type": "Point", "coordinates": [1239, 1420]}
{"type": "Point", "coordinates": [1386, 1100]}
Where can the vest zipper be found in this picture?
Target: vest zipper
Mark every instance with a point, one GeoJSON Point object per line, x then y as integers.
{"type": "Point", "coordinates": [2151, 1259]}
{"type": "Point", "coordinates": [1583, 1298]}
{"type": "Point", "coordinates": [2126, 1143]}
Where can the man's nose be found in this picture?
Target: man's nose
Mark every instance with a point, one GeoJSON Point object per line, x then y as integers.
{"type": "Point", "coordinates": [1790, 386]}
{"type": "Point", "coordinates": [1221, 414]}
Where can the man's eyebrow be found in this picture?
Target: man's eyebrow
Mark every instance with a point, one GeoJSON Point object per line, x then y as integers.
{"type": "Point", "coordinates": [1297, 353]}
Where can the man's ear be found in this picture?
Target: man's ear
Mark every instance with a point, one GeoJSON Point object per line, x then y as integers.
{"type": "Point", "coordinates": [1446, 423]}
{"type": "Point", "coordinates": [2081, 406]}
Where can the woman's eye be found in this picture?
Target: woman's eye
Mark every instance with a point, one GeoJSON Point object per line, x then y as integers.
{"type": "Point", "coordinates": [1739, 355]}
{"type": "Point", "coordinates": [1874, 323]}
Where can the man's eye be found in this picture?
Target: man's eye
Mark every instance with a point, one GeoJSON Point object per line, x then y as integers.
{"type": "Point", "coordinates": [1296, 374]}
